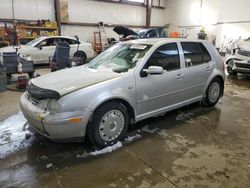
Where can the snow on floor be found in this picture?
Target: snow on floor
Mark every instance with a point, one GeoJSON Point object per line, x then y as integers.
{"type": "Point", "coordinates": [182, 116]}
{"type": "Point", "coordinates": [13, 133]}
{"type": "Point", "coordinates": [132, 138]}
{"type": "Point", "coordinates": [151, 131]}
{"type": "Point", "coordinates": [107, 149]}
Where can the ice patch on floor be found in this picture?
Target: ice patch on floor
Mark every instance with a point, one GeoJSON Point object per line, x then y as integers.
{"type": "Point", "coordinates": [107, 149]}
{"type": "Point", "coordinates": [130, 139]}
{"type": "Point", "coordinates": [151, 131]}
{"type": "Point", "coordinates": [183, 116]}
{"type": "Point", "coordinates": [13, 134]}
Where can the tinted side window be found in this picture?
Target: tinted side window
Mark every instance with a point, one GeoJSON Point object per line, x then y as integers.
{"type": "Point", "coordinates": [70, 41]}
{"type": "Point", "coordinates": [205, 54]}
{"type": "Point", "coordinates": [166, 56]}
{"type": "Point", "coordinates": [192, 53]}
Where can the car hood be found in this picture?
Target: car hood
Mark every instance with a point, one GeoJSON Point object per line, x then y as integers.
{"type": "Point", "coordinates": [244, 45]}
{"type": "Point", "coordinates": [121, 30]}
{"type": "Point", "coordinates": [23, 48]}
{"type": "Point", "coordinates": [70, 80]}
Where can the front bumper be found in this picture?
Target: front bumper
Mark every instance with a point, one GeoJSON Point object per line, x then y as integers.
{"type": "Point", "coordinates": [240, 66]}
{"type": "Point", "coordinates": [56, 126]}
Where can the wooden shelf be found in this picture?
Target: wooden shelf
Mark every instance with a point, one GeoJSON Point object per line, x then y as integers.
{"type": "Point", "coordinates": [28, 37]}
{"type": "Point", "coordinates": [36, 27]}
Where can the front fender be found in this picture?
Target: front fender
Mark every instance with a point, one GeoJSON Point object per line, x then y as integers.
{"type": "Point", "coordinates": [229, 57]}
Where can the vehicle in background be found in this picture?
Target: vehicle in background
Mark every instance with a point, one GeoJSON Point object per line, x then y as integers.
{"type": "Point", "coordinates": [40, 49]}
{"type": "Point", "coordinates": [126, 83]}
{"type": "Point", "coordinates": [239, 60]}
{"type": "Point", "coordinates": [129, 34]}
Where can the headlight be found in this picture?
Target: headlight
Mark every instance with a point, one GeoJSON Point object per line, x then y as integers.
{"type": "Point", "coordinates": [53, 105]}
{"type": "Point", "coordinates": [50, 105]}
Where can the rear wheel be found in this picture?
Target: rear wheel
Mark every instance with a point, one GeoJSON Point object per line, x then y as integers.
{"type": "Point", "coordinates": [213, 93]}
{"type": "Point", "coordinates": [81, 55]}
{"type": "Point", "coordinates": [108, 125]}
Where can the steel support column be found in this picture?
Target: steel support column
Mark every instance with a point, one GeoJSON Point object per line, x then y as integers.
{"type": "Point", "coordinates": [58, 15]}
{"type": "Point", "coordinates": [148, 13]}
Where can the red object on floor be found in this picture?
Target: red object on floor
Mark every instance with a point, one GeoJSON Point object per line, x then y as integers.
{"type": "Point", "coordinates": [22, 82]}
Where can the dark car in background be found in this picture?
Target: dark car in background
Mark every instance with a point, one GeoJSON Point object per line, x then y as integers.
{"type": "Point", "coordinates": [128, 34]}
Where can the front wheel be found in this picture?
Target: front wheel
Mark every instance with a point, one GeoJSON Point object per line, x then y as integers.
{"type": "Point", "coordinates": [108, 125]}
{"type": "Point", "coordinates": [213, 93]}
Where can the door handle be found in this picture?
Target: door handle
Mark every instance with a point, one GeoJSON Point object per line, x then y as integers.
{"type": "Point", "coordinates": [208, 68]}
{"type": "Point", "coordinates": [179, 76]}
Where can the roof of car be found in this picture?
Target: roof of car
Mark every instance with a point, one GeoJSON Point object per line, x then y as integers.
{"type": "Point", "coordinates": [154, 41]}
{"type": "Point", "coordinates": [58, 37]}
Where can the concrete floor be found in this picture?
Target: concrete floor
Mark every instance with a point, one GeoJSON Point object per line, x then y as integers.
{"type": "Point", "coordinates": [189, 147]}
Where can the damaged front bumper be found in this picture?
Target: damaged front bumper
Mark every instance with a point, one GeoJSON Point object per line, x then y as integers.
{"type": "Point", "coordinates": [240, 66]}
{"type": "Point", "coordinates": [56, 126]}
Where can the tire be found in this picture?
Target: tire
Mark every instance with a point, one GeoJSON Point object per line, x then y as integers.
{"type": "Point", "coordinates": [213, 93]}
{"type": "Point", "coordinates": [82, 57]}
{"type": "Point", "coordinates": [231, 71]}
{"type": "Point", "coordinates": [31, 75]}
{"type": "Point", "coordinates": [8, 76]}
{"type": "Point", "coordinates": [108, 125]}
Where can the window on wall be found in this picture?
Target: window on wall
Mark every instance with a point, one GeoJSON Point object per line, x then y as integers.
{"type": "Point", "coordinates": [155, 3]}
{"type": "Point", "coordinates": [136, 1]}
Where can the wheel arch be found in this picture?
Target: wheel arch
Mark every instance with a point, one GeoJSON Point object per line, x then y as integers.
{"type": "Point", "coordinates": [124, 102]}
{"type": "Point", "coordinates": [82, 52]}
{"type": "Point", "coordinates": [232, 58]}
{"type": "Point", "coordinates": [221, 78]}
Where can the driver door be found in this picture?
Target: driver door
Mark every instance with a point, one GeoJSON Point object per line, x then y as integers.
{"type": "Point", "coordinates": [156, 93]}
{"type": "Point", "coordinates": [46, 49]}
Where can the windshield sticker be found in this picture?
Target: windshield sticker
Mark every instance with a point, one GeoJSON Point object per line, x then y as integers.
{"type": "Point", "coordinates": [138, 47]}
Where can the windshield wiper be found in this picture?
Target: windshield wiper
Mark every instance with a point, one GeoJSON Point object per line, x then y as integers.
{"type": "Point", "coordinates": [120, 70]}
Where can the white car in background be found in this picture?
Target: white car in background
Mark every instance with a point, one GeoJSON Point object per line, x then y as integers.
{"type": "Point", "coordinates": [239, 61]}
{"type": "Point", "coordinates": [40, 49]}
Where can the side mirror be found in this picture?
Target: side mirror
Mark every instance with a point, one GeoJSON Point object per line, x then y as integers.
{"type": "Point", "coordinates": [39, 46]}
{"type": "Point", "coordinates": [154, 70]}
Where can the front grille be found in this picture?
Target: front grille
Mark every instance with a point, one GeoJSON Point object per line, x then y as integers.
{"type": "Point", "coordinates": [244, 52]}
{"type": "Point", "coordinates": [32, 100]}
{"type": "Point", "coordinates": [243, 65]}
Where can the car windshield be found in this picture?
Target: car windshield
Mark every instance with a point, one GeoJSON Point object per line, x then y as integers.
{"type": "Point", "coordinates": [33, 42]}
{"type": "Point", "coordinates": [120, 58]}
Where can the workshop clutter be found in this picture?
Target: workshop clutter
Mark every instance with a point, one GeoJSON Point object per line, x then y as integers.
{"type": "Point", "coordinates": [14, 64]}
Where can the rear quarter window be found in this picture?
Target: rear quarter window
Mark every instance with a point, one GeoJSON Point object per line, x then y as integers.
{"type": "Point", "coordinates": [205, 54]}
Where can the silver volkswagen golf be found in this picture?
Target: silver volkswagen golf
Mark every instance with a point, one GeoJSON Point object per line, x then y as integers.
{"type": "Point", "coordinates": [127, 83]}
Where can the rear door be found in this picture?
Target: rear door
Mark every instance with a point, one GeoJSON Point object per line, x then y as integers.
{"type": "Point", "coordinates": [198, 67]}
